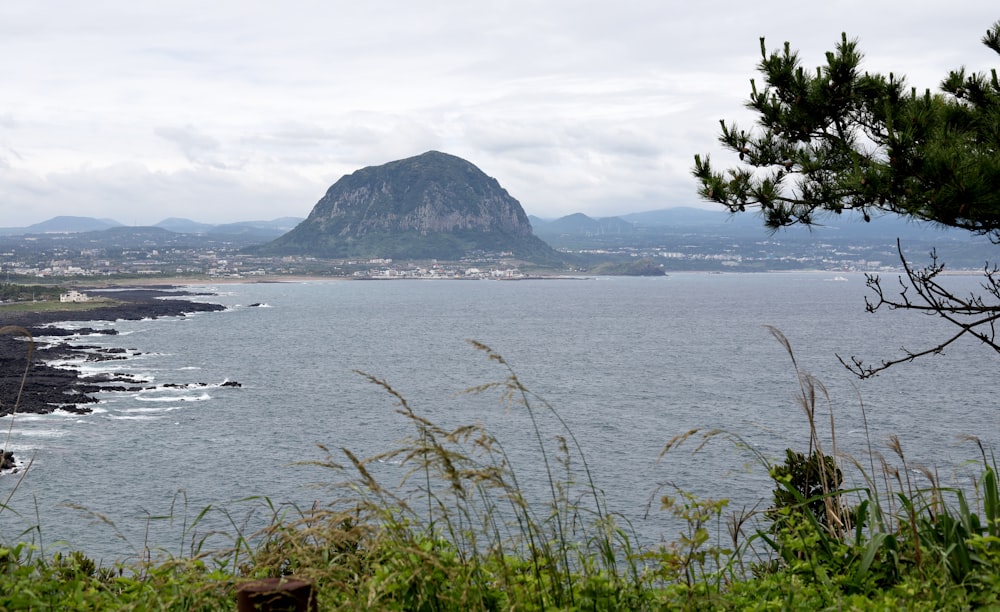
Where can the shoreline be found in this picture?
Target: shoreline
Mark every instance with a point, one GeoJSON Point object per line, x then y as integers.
{"type": "Point", "coordinates": [47, 388]}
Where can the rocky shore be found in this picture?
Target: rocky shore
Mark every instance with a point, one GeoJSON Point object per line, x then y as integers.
{"type": "Point", "coordinates": [48, 388]}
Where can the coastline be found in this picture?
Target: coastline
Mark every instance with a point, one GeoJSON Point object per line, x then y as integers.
{"type": "Point", "coordinates": [47, 388]}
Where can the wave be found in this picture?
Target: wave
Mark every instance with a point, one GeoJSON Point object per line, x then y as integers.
{"type": "Point", "coordinates": [144, 355]}
{"type": "Point", "coordinates": [62, 413]}
{"type": "Point", "coordinates": [42, 433]}
{"type": "Point", "coordinates": [174, 398]}
{"type": "Point", "coordinates": [28, 417]}
{"type": "Point", "coordinates": [40, 339]}
{"type": "Point", "coordinates": [188, 386]}
{"type": "Point", "coordinates": [65, 363]}
{"type": "Point", "coordinates": [151, 410]}
{"type": "Point", "coordinates": [95, 367]}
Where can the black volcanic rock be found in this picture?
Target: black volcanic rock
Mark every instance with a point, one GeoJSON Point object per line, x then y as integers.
{"type": "Point", "coordinates": [432, 206]}
{"type": "Point", "coordinates": [45, 387]}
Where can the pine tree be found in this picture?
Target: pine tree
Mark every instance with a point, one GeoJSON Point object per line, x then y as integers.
{"type": "Point", "coordinates": [838, 139]}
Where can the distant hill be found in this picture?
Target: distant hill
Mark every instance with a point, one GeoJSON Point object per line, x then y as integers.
{"type": "Point", "coordinates": [686, 229]}
{"type": "Point", "coordinates": [63, 225]}
{"type": "Point", "coordinates": [260, 231]}
{"type": "Point", "coordinates": [128, 236]}
{"type": "Point", "coordinates": [848, 225]}
{"type": "Point", "coordinates": [265, 230]}
{"type": "Point", "coordinates": [184, 226]}
{"type": "Point", "coordinates": [432, 206]}
{"type": "Point", "coordinates": [682, 216]}
{"type": "Point", "coordinates": [668, 228]}
{"type": "Point", "coordinates": [579, 224]}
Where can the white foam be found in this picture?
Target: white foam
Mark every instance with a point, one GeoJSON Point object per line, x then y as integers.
{"type": "Point", "coordinates": [94, 335]}
{"type": "Point", "coordinates": [63, 363]}
{"type": "Point", "coordinates": [53, 339]}
{"type": "Point", "coordinates": [99, 367]}
{"type": "Point", "coordinates": [25, 417]}
{"type": "Point", "coordinates": [174, 398]}
{"type": "Point", "coordinates": [42, 433]}
{"type": "Point", "coordinates": [188, 386]}
{"type": "Point", "coordinates": [151, 410]}
{"type": "Point", "coordinates": [62, 413]}
{"type": "Point", "coordinates": [16, 447]}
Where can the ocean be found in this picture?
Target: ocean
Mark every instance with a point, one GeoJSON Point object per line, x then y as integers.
{"type": "Point", "coordinates": [627, 363]}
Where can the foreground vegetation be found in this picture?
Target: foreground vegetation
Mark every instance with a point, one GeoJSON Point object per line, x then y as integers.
{"type": "Point", "coordinates": [459, 534]}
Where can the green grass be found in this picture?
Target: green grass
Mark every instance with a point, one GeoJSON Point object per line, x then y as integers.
{"type": "Point", "coordinates": [458, 534]}
{"type": "Point", "coordinates": [56, 306]}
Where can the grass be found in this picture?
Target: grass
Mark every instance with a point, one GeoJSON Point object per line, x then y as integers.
{"type": "Point", "coordinates": [55, 306]}
{"type": "Point", "coordinates": [458, 533]}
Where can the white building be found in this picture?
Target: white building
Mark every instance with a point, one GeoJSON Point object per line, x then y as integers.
{"type": "Point", "coordinates": [74, 296]}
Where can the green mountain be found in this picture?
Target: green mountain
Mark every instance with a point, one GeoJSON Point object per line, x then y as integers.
{"type": "Point", "coordinates": [432, 206]}
{"type": "Point", "coordinates": [579, 224]}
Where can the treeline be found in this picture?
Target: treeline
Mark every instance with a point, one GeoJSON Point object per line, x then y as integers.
{"type": "Point", "coordinates": [12, 292]}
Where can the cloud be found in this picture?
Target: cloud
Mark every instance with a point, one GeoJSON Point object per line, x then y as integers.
{"type": "Point", "coordinates": [196, 146]}
{"type": "Point", "coordinates": [134, 195]}
{"type": "Point", "coordinates": [147, 110]}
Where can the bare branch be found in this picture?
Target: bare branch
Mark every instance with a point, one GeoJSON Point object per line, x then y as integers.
{"type": "Point", "coordinates": [972, 315]}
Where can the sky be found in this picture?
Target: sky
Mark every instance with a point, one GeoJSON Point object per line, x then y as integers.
{"type": "Point", "coordinates": [243, 110]}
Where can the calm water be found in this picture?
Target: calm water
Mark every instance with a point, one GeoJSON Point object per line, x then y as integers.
{"type": "Point", "coordinates": [627, 362]}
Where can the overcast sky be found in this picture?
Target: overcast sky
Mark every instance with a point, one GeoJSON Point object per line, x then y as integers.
{"type": "Point", "coordinates": [240, 110]}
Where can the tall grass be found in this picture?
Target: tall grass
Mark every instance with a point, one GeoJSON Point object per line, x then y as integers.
{"type": "Point", "coordinates": [12, 410]}
{"type": "Point", "coordinates": [885, 535]}
{"type": "Point", "coordinates": [459, 526]}
{"type": "Point", "coordinates": [456, 530]}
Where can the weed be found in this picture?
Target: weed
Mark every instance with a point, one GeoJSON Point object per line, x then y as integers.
{"type": "Point", "coordinates": [457, 532]}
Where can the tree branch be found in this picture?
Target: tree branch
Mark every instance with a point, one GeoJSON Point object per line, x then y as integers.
{"type": "Point", "coordinates": [972, 315]}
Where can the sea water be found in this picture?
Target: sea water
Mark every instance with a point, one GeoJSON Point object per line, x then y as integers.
{"type": "Point", "coordinates": [628, 363]}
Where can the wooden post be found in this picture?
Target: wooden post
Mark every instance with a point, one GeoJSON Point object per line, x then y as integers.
{"type": "Point", "coordinates": [286, 594]}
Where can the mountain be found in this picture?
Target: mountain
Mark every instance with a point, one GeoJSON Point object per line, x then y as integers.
{"type": "Point", "coordinates": [432, 206]}
{"type": "Point", "coordinates": [63, 225]}
{"type": "Point", "coordinates": [184, 226]}
{"type": "Point", "coordinates": [688, 216]}
{"type": "Point", "coordinates": [849, 225]}
{"type": "Point", "coordinates": [264, 230]}
{"type": "Point", "coordinates": [259, 230]}
{"type": "Point", "coordinates": [579, 224]}
{"type": "Point", "coordinates": [129, 236]}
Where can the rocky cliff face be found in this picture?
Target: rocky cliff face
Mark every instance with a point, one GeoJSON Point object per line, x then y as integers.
{"type": "Point", "coordinates": [433, 205]}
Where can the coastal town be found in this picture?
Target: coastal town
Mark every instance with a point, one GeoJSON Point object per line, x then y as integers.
{"type": "Point", "coordinates": [40, 257]}
{"type": "Point", "coordinates": [141, 253]}
{"type": "Point", "coordinates": [156, 263]}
